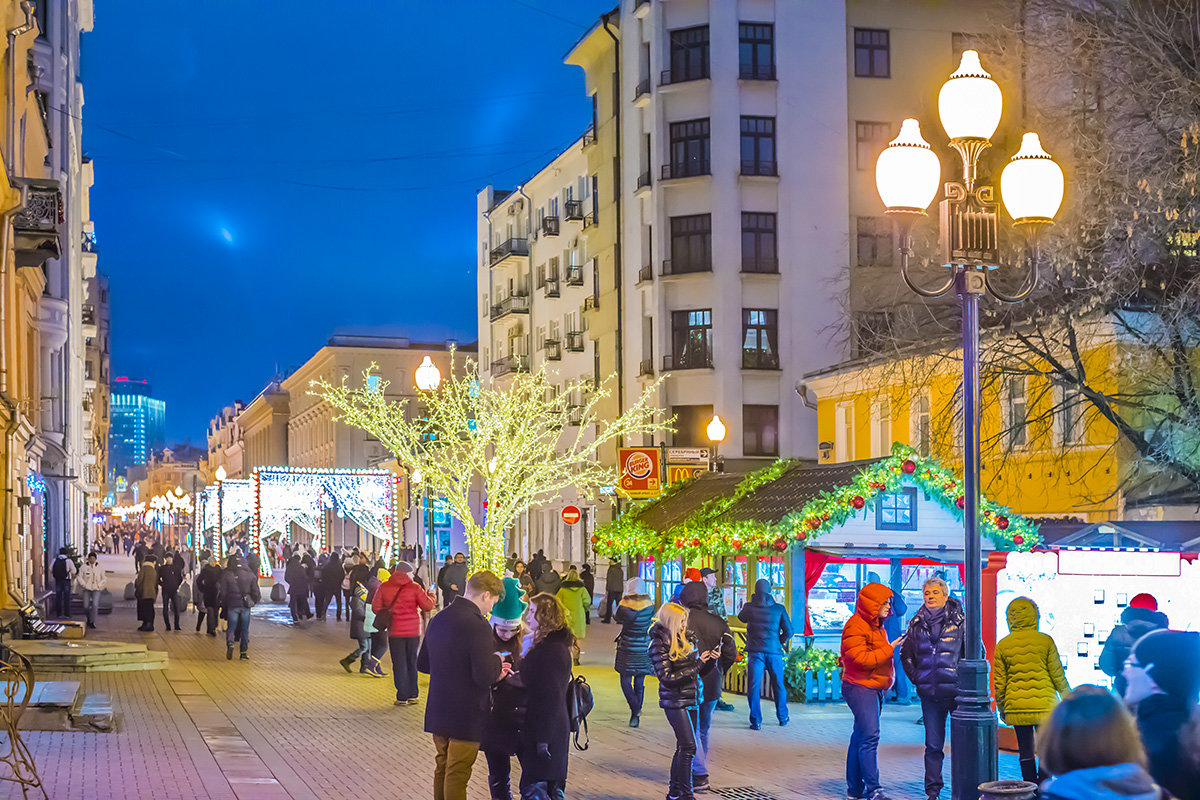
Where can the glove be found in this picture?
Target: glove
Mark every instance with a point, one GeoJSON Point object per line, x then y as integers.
{"type": "Point", "coordinates": [543, 749]}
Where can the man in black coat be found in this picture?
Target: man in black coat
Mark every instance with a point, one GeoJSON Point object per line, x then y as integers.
{"type": "Point", "coordinates": [1163, 680]}
{"type": "Point", "coordinates": [458, 654]}
{"type": "Point", "coordinates": [767, 628]}
{"type": "Point", "coordinates": [1138, 619]}
{"type": "Point", "coordinates": [451, 579]}
{"type": "Point", "coordinates": [614, 580]}
{"type": "Point", "coordinates": [239, 593]}
{"type": "Point", "coordinates": [712, 632]}
{"type": "Point", "coordinates": [170, 577]}
{"type": "Point", "coordinates": [930, 654]}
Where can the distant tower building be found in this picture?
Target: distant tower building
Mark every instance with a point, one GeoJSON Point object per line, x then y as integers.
{"type": "Point", "coordinates": [137, 427]}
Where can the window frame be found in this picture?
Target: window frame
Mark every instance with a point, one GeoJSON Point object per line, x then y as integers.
{"type": "Point", "coordinates": [763, 432]}
{"type": "Point", "coordinates": [764, 329]}
{"type": "Point", "coordinates": [696, 331]}
{"type": "Point", "coordinates": [921, 422]}
{"type": "Point", "coordinates": [690, 143]}
{"type": "Point", "coordinates": [843, 433]}
{"type": "Point", "coordinates": [862, 142]}
{"type": "Point", "coordinates": [685, 242]}
{"type": "Point", "coordinates": [759, 134]}
{"type": "Point", "coordinates": [753, 39]}
{"type": "Point", "coordinates": [1011, 429]}
{"type": "Point", "coordinates": [880, 502]}
{"type": "Point", "coordinates": [759, 235]}
{"type": "Point", "coordinates": [684, 45]}
{"type": "Point", "coordinates": [871, 42]}
{"type": "Point", "coordinates": [867, 230]}
{"type": "Point", "coordinates": [881, 421]}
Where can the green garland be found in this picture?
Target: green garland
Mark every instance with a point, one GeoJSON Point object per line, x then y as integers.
{"type": "Point", "coordinates": [700, 536]}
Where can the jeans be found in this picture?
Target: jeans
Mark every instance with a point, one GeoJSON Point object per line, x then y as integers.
{"type": "Point", "coordinates": [1027, 755]}
{"type": "Point", "coordinates": [91, 604]}
{"type": "Point", "coordinates": [404, 665]}
{"type": "Point", "coordinates": [611, 600]}
{"type": "Point", "coordinates": [452, 767]}
{"type": "Point", "coordinates": [755, 664]}
{"type": "Point", "coordinates": [683, 722]}
{"type": "Point", "coordinates": [703, 720]}
{"type": "Point", "coordinates": [363, 650]}
{"type": "Point", "coordinates": [239, 627]}
{"type": "Point", "coordinates": [62, 598]}
{"type": "Point", "coordinates": [862, 765]}
{"type": "Point", "coordinates": [634, 687]}
{"type": "Point", "coordinates": [499, 775]}
{"type": "Point", "coordinates": [170, 601]}
{"type": "Point", "coordinates": [934, 714]}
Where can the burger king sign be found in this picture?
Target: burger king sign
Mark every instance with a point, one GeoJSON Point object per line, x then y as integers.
{"type": "Point", "coordinates": [639, 468]}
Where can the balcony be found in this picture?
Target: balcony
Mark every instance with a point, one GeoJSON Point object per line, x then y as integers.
{"type": "Point", "coordinates": [589, 137]}
{"type": "Point", "coordinates": [760, 265]}
{"type": "Point", "coordinates": [575, 415]}
{"type": "Point", "coordinates": [510, 364]}
{"type": "Point", "coordinates": [759, 168]}
{"type": "Point", "coordinates": [574, 341]}
{"type": "Point", "coordinates": [646, 274]}
{"type": "Point", "coordinates": [88, 314]}
{"type": "Point", "coordinates": [574, 209]}
{"type": "Point", "coordinates": [553, 349]}
{"type": "Point", "coordinates": [574, 275]}
{"type": "Point", "coordinates": [550, 226]}
{"type": "Point", "coordinates": [691, 169]}
{"type": "Point", "coordinates": [646, 368]}
{"type": "Point", "coordinates": [642, 91]}
{"type": "Point", "coordinates": [678, 267]}
{"type": "Point", "coordinates": [669, 77]}
{"type": "Point", "coordinates": [507, 252]}
{"type": "Point", "coordinates": [591, 303]}
{"type": "Point", "coordinates": [760, 359]}
{"type": "Point", "coordinates": [643, 181]}
{"type": "Point", "coordinates": [35, 227]}
{"type": "Point", "coordinates": [589, 220]}
{"type": "Point", "coordinates": [687, 361]}
{"type": "Point", "coordinates": [759, 72]}
{"type": "Point", "coordinates": [550, 287]}
{"type": "Point", "coordinates": [513, 304]}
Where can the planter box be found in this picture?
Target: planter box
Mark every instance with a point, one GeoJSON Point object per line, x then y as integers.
{"type": "Point", "coordinates": [735, 683]}
{"type": "Point", "coordinates": [823, 687]}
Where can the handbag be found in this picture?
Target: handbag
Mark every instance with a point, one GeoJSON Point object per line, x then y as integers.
{"type": "Point", "coordinates": [384, 621]}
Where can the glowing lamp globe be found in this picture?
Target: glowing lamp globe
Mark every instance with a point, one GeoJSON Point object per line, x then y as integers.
{"type": "Point", "coordinates": [970, 102]}
{"type": "Point", "coordinates": [716, 429]}
{"type": "Point", "coordinates": [1031, 184]}
{"type": "Point", "coordinates": [908, 171]}
{"type": "Point", "coordinates": [429, 377]}
{"type": "Point", "coordinates": [417, 476]}
{"type": "Point", "coordinates": [221, 472]}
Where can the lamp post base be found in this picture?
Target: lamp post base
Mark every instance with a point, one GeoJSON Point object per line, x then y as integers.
{"type": "Point", "coordinates": [974, 757]}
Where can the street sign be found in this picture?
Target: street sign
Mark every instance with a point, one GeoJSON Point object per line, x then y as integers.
{"type": "Point", "coordinates": [683, 472]}
{"type": "Point", "coordinates": [639, 471]}
{"type": "Point", "coordinates": [687, 455]}
{"type": "Point", "coordinates": [571, 514]}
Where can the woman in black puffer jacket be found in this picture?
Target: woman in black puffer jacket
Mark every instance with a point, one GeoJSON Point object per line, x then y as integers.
{"type": "Point", "coordinates": [678, 664]}
{"type": "Point", "coordinates": [634, 615]}
{"type": "Point", "coordinates": [930, 654]}
{"type": "Point", "coordinates": [545, 737]}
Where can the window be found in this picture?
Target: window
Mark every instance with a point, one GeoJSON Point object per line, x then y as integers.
{"type": "Point", "coordinates": [689, 54]}
{"type": "Point", "coordinates": [691, 152]}
{"type": "Point", "coordinates": [760, 430]}
{"type": "Point", "coordinates": [760, 337]}
{"type": "Point", "coordinates": [691, 338]}
{"type": "Point", "coordinates": [691, 423]}
{"type": "Point", "coordinates": [758, 146]}
{"type": "Point", "coordinates": [1016, 420]}
{"type": "Point", "coordinates": [844, 431]}
{"type": "Point", "coordinates": [758, 243]}
{"type": "Point", "coordinates": [691, 244]}
{"type": "Point", "coordinates": [919, 436]}
{"type": "Point", "coordinates": [869, 140]}
{"type": "Point", "coordinates": [1068, 421]}
{"type": "Point", "coordinates": [372, 383]}
{"type": "Point", "coordinates": [756, 51]}
{"type": "Point", "coordinates": [896, 511]}
{"type": "Point", "coordinates": [881, 428]}
{"type": "Point", "coordinates": [871, 59]}
{"type": "Point", "coordinates": [872, 332]}
{"type": "Point", "coordinates": [874, 241]}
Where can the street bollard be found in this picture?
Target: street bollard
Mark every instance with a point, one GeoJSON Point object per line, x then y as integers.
{"type": "Point", "coordinates": [1007, 790]}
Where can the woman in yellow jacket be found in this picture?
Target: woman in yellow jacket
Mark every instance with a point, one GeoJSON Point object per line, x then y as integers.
{"type": "Point", "coordinates": [1027, 680]}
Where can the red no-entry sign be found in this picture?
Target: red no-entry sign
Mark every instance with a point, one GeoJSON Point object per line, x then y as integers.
{"type": "Point", "coordinates": [570, 515]}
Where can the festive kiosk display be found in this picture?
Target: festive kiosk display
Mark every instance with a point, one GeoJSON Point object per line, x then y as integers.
{"type": "Point", "coordinates": [224, 507]}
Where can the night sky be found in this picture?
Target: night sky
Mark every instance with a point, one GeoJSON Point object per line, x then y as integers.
{"type": "Point", "coordinates": [268, 172]}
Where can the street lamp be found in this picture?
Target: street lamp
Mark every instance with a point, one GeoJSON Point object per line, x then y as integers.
{"type": "Point", "coordinates": [1031, 185]}
{"type": "Point", "coordinates": [716, 435]}
{"type": "Point", "coordinates": [219, 539]}
{"type": "Point", "coordinates": [428, 376]}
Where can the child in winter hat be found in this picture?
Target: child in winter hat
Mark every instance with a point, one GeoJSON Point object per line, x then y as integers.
{"type": "Point", "coordinates": [1172, 660]}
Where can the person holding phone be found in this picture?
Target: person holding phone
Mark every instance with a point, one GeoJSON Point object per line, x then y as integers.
{"type": "Point", "coordinates": [500, 733]}
{"type": "Point", "coordinates": [713, 635]}
{"type": "Point", "coordinates": [867, 672]}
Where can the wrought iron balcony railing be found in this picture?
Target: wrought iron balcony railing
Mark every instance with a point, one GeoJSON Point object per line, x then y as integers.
{"type": "Point", "coordinates": [573, 209]}
{"type": "Point", "coordinates": [550, 226]}
{"type": "Point", "coordinates": [760, 359]}
{"type": "Point", "coordinates": [759, 167]}
{"type": "Point", "coordinates": [575, 341]}
{"type": "Point", "coordinates": [553, 349]}
{"type": "Point", "coordinates": [760, 264]}
{"type": "Point", "coordinates": [687, 361]}
{"type": "Point", "coordinates": [513, 304]}
{"type": "Point", "coordinates": [686, 169]}
{"type": "Point", "coordinates": [508, 249]}
{"type": "Point", "coordinates": [510, 364]}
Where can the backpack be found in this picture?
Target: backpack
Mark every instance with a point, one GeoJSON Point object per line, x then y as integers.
{"type": "Point", "coordinates": [59, 569]}
{"type": "Point", "coordinates": [579, 703]}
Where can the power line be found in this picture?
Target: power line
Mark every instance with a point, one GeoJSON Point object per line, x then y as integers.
{"type": "Point", "coordinates": [549, 14]}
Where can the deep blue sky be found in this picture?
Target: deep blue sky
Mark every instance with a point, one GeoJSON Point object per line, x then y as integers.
{"type": "Point", "coordinates": [269, 171]}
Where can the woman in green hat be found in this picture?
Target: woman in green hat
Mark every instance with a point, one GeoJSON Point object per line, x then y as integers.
{"type": "Point", "coordinates": [499, 742]}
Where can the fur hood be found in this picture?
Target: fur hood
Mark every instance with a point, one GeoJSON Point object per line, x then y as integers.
{"type": "Point", "coordinates": [636, 601]}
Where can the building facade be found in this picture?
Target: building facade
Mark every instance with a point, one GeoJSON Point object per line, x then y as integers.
{"type": "Point", "coordinates": [138, 424]}
{"type": "Point", "coordinates": [225, 442]}
{"type": "Point", "coordinates": [97, 323]}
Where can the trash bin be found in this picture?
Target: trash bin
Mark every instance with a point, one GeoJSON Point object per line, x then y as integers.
{"type": "Point", "coordinates": [1007, 790]}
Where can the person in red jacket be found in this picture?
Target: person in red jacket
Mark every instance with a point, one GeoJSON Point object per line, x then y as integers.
{"type": "Point", "coordinates": [867, 672]}
{"type": "Point", "coordinates": [405, 601]}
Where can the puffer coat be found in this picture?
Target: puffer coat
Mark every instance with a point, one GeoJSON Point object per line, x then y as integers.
{"type": "Point", "coordinates": [574, 597]}
{"type": "Point", "coordinates": [634, 615]}
{"type": "Point", "coordinates": [1027, 673]}
{"type": "Point", "coordinates": [767, 623]}
{"type": "Point", "coordinates": [931, 651]}
{"type": "Point", "coordinates": [678, 680]}
{"type": "Point", "coordinates": [1135, 623]}
{"type": "Point", "coordinates": [866, 652]}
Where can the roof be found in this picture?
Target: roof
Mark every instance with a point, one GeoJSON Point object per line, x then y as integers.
{"type": "Point", "coordinates": [673, 509]}
{"type": "Point", "coordinates": [791, 490]}
{"type": "Point", "coordinates": [1169, 535]}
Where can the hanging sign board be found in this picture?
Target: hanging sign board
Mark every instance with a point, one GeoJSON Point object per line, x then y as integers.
{"type": "Point", "coordinates": [688, 455]}
{"type": "Point", "coordinates": [639, 471]}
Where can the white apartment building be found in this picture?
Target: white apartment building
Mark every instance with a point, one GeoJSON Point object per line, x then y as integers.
{"type": "Point", "coordinates": [536, 280]}
{"type": "Point", "coordinates": [225, 442]}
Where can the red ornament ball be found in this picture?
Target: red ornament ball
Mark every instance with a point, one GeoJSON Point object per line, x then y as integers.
{"type": "Point", "coordinates": [825, 517]}
{"type": "Point", "coordinates": [857, 501]}
{"type": "Point", "coordinates": [961, 502]}
{"type": "Point", "coordinates": [695, 542]}
{"type": "Point", "coordinates": [780, 545]}
{"type": "Point", "coordinates": [679, 543]}
{"type": "Point", "coordinates": [1018, 539]}
{"type": "Point", "coordinates": [909, 466]}
{"type": "Point", "coordinates": [737, 544]}
{"type": "Point", "coordinates": [813, 523]}
{"type": "Point", "coordinates": [801, 536]}
{"type": "Point", "coordinates": [595, 538]}
{"type": "Point", "coordinates": [1002, 524]}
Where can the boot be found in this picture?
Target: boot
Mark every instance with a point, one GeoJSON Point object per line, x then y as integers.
{"type": "Point", "coordinates": [345, 662]}
{"type": "Point", "coordinates": [499, 787]}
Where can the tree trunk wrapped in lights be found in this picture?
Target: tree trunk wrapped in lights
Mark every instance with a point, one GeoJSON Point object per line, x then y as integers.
{"type": "Point", "coordinates": [525, 440]}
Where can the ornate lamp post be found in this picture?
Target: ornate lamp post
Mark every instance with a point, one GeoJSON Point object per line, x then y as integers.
{"type": "Point", "coordinates": [428, 378]}
{"type": "Point", "coordinates": [716, 435]}
{"type": "Point", "coordinates": [1031, 185]}
{"type": "Point", "coordinates": [219, 539]}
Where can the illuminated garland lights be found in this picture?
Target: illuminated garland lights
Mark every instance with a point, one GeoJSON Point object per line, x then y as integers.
{"type": "Point", "coordinates": [700, 536]}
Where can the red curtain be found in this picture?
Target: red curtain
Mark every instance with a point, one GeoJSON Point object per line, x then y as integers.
{"type": "Point", "coordinates": [962, 574]}
{"type": "Point", "coordinates": [814, 565]}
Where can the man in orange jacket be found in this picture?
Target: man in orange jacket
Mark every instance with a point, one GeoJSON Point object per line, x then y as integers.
{"type": "Point", "coordinates": [867, 672]}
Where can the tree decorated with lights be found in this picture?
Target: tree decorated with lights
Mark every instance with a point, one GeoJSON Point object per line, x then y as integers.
{"type": "Point", "coordinates": [523, 440]}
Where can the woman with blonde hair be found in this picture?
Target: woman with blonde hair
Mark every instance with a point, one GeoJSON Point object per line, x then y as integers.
{"type": "Point", "coordinates": [545, 670]}
{"type": "Point", "coordinates": [678, 664]}
{"type": "Point", "coordinates": [1090, 745]}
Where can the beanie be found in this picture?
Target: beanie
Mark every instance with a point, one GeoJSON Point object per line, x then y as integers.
{"type": "Point", "coordinates": [1172, 659]}
{"type": "Point", "coordinates": [510, 606]}
{"type": "Point", "coordinates": [635, 586]}
{"type": "Point", "coordinates": [1144, 600]}
{"type": "Point", "coordinates": [403, 566]}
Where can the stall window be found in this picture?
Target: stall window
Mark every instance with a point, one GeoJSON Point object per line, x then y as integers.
{"type": "Point", "coordinates": [734, 584]}
{"type": "Point", "coordinates": [831, 600]}
{"type": "Point", "coordinates": [672, 576]}
{"type": "Point", "coordinates": [896, 511]}
{"type": "Point", "coordinates": [773, 570]}
{"type": "Point", "coordinates": [912, 589]}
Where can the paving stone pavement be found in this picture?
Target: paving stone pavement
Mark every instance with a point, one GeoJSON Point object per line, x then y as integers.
{"type": "Point", "coordinates": [290, 723]}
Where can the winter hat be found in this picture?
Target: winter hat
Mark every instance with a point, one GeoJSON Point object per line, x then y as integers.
{"type": "Point", "coordinates": [635, 586]}
{"type": "Point", "coordinates": [403, 566]}
{"type": "Point", "coordinates": [692, 574]}
{"type": "Point", "coordinates": [1144, 600]}
{"type": "Point", "coordinates": [1172, 659]}
{"type": "Point", "coordinates": [510, 606]}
